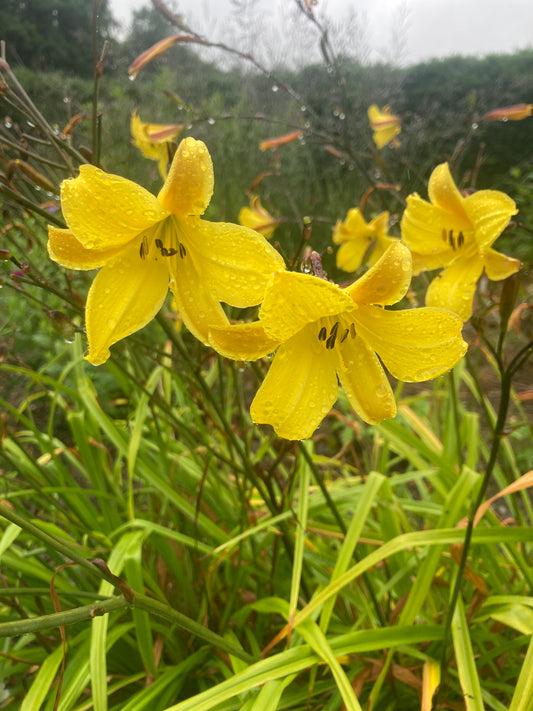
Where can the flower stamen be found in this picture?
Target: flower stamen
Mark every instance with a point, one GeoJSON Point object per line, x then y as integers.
{"type": "Point", "coordinates": [455, 243]}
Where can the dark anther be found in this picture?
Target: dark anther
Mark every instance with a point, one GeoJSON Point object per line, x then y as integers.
{"type": "Point", "coordinates": [451, 240]}
{"type": "Point", "coordinates": [344, 335]}
{"type": "Point", "coordinates": [460, 239]}
{"type": "Point", "coordinates": [143, 251]}
{"type": "Point", "coordinates": [330, 343]}
{"type": "Point", "coordinates": [164, 251]}
{"type": "Point", "coordinates": [322, 334]}
{"type": "Point", "coordinates": [352, 330]}
{"type": "Point", "coordinates": [183, 251]}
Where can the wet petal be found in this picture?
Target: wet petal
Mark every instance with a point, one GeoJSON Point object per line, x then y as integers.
{"type": "Point", "coordinates": [454, 288]}
{"type": "Point", "coordinates": [106, 211]}
{"type": "Point", "coordinates": [498, 266]}
{"type": "Point", "coordinates": [235, 261]}
{"type": "Point", "coordinates": [197, 305]}
{"type": "Point", "coordinates": [364, 381]}
{"type": "Point", "coordinates": [189, 185]}
{"type": "Point", "coordinates": [300, 388]}
{"type": "Point", "coordinates": [425, 229]}
{"type": "Point", "coordinates": [443, 192]}
{"type": "Point", "coordinates": [414, 344]}
{"type": "Point", "coordinates": [490, 211]}
{"type": "Point", "coordinates": [125, 295]}
{"type": "Point", "coordinates": [387, 281]}
{"type": "Point", "coordinates": [243, 341]}
{"type": "Point", "coordinates": [293, 300]}
{"type": "Point", "coordinates": [65, 249]}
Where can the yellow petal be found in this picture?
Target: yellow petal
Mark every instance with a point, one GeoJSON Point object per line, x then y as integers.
{"type": "Point", "coordinates": [300, 388]}
{"type": "Point", "coordinates": [197, 306]}
{"type": "Point", "coordinates": [426, 228]}
{"type": "Point", "coordinates": [498, 266]}
{"type": "Point", "coordinates": [382, 136]}
{"type": "Point", "coordinates": [350, 254]}
{"type": "Point", "coordinates": [490, 211]}
{"type": "Point", "coordinates": [106, 211]}
{"type": "Point", "coordinates": [353, 226]}
{"type": "Point", "coordinates": [65, 249]}
{"type": "Point", "coordinates": [387, 281]}
{"type": "Point", "coordinates": [364, 381]}
{"type": "Point", "coordinates": [414, 344]}
{"type": "Point", "coordinates": [235, 262]}
{"type": "Point", "coordinates": [454, 288]}
{"type": "Point", "coordinates": [243, 341]}
{"type": "Point", "coordinates": [189, 185]}
{"type": "Point", "coordinates": [293, 300]}
{"type": "Point", "coordinates": [125, 295]}
{"type": "Point", "coordinates": [443, 192]}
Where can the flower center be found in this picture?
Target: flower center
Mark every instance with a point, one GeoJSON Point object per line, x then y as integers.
{"type": "Point", "coordinates": [455, 239]}
{"type": "Point", "coordinates": [162, 241]}
{"type": "Point", "coordinates": [335, 331]}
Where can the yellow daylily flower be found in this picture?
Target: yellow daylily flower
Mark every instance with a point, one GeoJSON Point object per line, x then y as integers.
{"type": "Point", "coordinates": [359, 238]}
{"type": "Point", "coordinates": [325, 332]}
{"type": "Point", "coordinates": [144, 244]}
{"type": "Point", "coordinates": [152, 140]}
{"type": "Point", "coordinates": [257, 218]}
{"type": "Point", "coordinates": [455, 233]}
{"type": "Point", "coordinates": [386, 126]}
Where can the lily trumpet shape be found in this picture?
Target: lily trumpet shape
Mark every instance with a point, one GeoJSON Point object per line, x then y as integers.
{"type": "Point", "coordinates": [322, 332]}
{"type": "Point", "coordinates": [145, 244]}
{"type": "Point", "coordinates": [455, 234]}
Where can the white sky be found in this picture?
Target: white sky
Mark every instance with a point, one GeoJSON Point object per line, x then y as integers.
{"type": "Point", "coordinates": [423, 28]}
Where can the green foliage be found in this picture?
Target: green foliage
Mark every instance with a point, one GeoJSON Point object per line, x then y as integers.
{"type": "Point", "coordinates": [51, 34]}
{"type": "Point", "coordinates": [173, 554]}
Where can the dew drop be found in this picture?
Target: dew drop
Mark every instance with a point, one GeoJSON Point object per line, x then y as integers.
{"type": "Point", "coordinates": [275, 88]}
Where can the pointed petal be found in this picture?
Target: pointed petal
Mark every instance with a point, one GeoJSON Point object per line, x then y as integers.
{"type": "Point", "coordinates": [65, 249]}
{"type": "Point", "coordinates": [293, 300]}
{"type": "Point", "coordinates": [125, 295]}
{"type": "Point", "coordinates": [454, 288]}
{"type": "Point", "coordinates": [243, 341]}
{"type": "Point", "coordinates": [300, 388]}
{"type": "Point", "coordinates": [350, 254]}
{"type": "Point", "coordinates": [387, 281]}
{"type": "Point", "coordinates": [498, 266]}
{"type": "Point", "coordinates": [490, 211]}
{"type": "Point", "coordinates": [197, 305]}
{"type": "Point", "coordinates": [353, 226]}
{"type": "Point", "coordinates": [381, 246]}
{"type": "Point", "coordinates": [425, 229]}
{"type": "Point", "coordinates": [235, 261]}
{"type": "Point", "coordinates": [189, 185]}
{"type": "Point", "coordinates": [364, 381]}
{"type": "Point", "coordinates": [384, 135]}
{"type": "Point", "coordinates": [443, 192]}
{"type": "Point", "coordinates": [414, 344]}
{"type": "Point", "coordinates": [106, 211]}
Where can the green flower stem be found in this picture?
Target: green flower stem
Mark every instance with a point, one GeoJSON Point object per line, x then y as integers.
{"type": "Point", "coordinates": [498, 433]}
{"type": "Point", "coordinates": [44, 623]}
{"type": "Point", "coordinates": [11, 515]}
{"type": "Point", "coordinates": [165, 612]}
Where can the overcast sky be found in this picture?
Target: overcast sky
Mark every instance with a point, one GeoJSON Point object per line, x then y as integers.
{"type": "Point", "coordinates": [423, 28]}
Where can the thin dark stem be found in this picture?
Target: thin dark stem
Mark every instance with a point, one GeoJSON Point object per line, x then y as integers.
{"type": "Point", "coordinates": [498, 433]}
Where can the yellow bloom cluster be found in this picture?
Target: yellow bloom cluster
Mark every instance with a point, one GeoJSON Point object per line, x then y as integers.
{"type": "Point", "coordinates": [143, 245]}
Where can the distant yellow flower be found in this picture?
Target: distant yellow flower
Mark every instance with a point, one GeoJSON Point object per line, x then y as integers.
{"type": "Point", "coordinates": [144, 244]}
{"type": "Point", "coordinates": [152, 139]}
{"type": "Point", "coordinates": [516, 112]}
{"type": "Point", "coordinates": [326, 331]}
{"type": "Point", "coordinates": [455, 233]}
{"type": "Point", "coordinates": [385, 125]}
{"type": "Point", "coordinates": [358, 238]}
{"type": "Point", "coordinates": [257, 218]}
